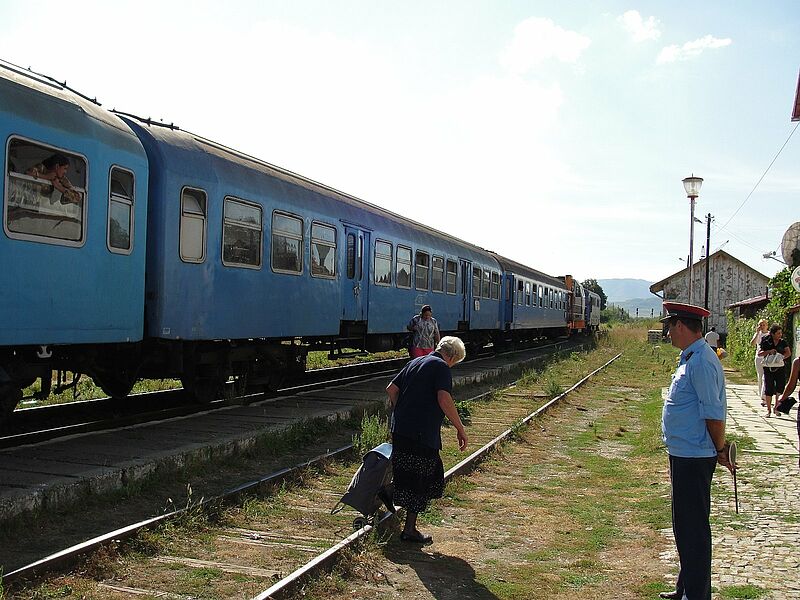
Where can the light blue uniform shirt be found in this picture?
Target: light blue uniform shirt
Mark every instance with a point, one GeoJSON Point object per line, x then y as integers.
{"type": "Point", "coordinates": [697, 393]}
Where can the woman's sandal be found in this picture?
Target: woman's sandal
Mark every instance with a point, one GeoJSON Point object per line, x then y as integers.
{"type": "Point", "coordinates": [416, 538]}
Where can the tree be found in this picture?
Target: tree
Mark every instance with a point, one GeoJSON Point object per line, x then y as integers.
{"type": "Point", "coordinates": [593, 286]}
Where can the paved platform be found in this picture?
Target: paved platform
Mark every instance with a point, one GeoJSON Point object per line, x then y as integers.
{"type": "Point", "coordinates": [61, 472]}
{"type": "Point", "coordinates": [761, 545]}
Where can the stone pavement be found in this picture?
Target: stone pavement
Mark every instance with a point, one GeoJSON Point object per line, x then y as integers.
{"type": "Point", "coordinates": [761, 545]}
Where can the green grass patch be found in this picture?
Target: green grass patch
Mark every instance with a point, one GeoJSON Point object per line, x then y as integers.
{"type": "Point", "coordinates": [742, 592]}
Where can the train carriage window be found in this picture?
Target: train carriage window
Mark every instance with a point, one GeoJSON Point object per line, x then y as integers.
{"type": "Point", "coordinates": [383, 263]}
{"type": "Point", "coordinates": [323, 250]}
{"type": "Point", "coordinates": [241, 233]}
{"type": "Point", "coordinates": [437, 274]}
{"type": "Point", "coordinates": [45, 194]}
{"type": "Point", "coordinates": [351, 255]}
{"type": "Point", "coordinates": [476, 282]}
{"type": "Point", "coordinates": [551, 295]}
{"type": "Point", "coordinates": [403, 267]}
{"type": "Point", "coordinates": [527, 293]}
{"type": "Point", "coordinates": [452, 276]}
{"type": "Point", "coordinates": [287, 243]}
{"type": "Point", "coordinates": [120, 211]}
{"type": "Point", "coordinates": [521, 292]}
{"type": "Point", "coordinates": [539, 295]}
{"type": "Point", "coordinates": [421, 268]}
{"type": "Point", "coordinates": [487, 284]}
{"type": "Point", "coordinates": [193, 225]}
{"type": "Point", "coordinates": [495, 287]}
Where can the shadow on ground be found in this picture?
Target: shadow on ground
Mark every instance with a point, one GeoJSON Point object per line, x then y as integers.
{"type": "Point", "coordinates": [445, 577]}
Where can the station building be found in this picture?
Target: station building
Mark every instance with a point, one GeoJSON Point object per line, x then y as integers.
{"type": "Point", "coordinates": [729, 281]}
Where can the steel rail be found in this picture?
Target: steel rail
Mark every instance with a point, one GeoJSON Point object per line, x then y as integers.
{"type": "Point", "coordinates": [289, 583]}
{"type": "Point", "coordinates": [69, 556]}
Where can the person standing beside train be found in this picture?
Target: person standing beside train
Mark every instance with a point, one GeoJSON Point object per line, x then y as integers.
{"type": "Point", "coordinates": [693, 429]}
{"type": "Point", "coordinates": [419, 398]}
{"type": "Point", "coordinates": [426, 332]}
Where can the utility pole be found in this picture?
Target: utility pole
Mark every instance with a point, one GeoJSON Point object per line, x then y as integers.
{"type": "Point", "coordinates": [708, 261]}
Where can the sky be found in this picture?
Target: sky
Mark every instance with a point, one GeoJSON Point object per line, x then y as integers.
{"type": "Point", "coordinates": [556, 134]}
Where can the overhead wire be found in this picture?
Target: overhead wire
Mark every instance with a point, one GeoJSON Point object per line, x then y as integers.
{"type": "Point", "coordinates": [760, 179]}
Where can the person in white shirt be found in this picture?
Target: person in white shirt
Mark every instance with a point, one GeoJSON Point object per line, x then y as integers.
{"type": "Point", "coordinates": [712, 337]}
{"type": "Point", "coordinates": [763, 329]}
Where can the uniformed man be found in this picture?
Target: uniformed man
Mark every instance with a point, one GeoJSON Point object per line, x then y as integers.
{"type": "Point", "coordinates": [693, 427]}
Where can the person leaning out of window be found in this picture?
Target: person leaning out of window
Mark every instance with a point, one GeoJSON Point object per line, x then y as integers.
{"type": "Point", "coordinates": [53, 171]}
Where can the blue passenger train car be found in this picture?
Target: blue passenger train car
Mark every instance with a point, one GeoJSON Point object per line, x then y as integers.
{"type": "Point", "coordinates": [244, 257]}
{"type": "Point", "coordinates": [535, 303]}
{"type": "Point", "coordinates": [74, 225]}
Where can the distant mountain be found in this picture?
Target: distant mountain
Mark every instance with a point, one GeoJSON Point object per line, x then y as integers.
{"type": "Point", "coordinates": [647, 306]}
{"type": "Point", "coordinates": [620, 290]}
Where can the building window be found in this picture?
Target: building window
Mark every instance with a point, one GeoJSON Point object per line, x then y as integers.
{"type": "Point", "coordinates": [241, 233]}
{"type": "Point", "coordinates": [323, 250]}
{"type": "Point", "coordinates": [452, 276]}
{"type": "Point", "coordinates": [193, 225]}
{"type": "Point", "coordinates": [383, 263]}
{"type": "Point", "coordinates": [476, 282]}
{"type": "Point", "coordinates": [287, 243]}
{"type": "Point", "coordinates": [495, 285]}
{"type": "Point", "coordinates": [527, 294]}
{"type": "Point", "coordinates": [421, 268]}
{"type": "Point", "coordinates": [437, 274]}
{"type": "Point", "coordinates": [45, 193]}
{"type": "Point", "coordinates": [403, 267]}
{"type": "Point", "coordinates": [120, 210]}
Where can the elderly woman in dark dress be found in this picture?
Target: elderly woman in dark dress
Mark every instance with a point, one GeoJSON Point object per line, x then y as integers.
{"type": "Point", "coordinates": [420, 397]}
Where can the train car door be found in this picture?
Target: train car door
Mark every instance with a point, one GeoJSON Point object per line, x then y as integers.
{"type": "Point", "coordinates": [355, 290]}
{"type": "Point", "coordinates": [466, 294]}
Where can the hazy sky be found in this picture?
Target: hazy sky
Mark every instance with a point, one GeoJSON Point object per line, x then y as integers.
{"type": "Point", "coordinates": [555, 133]}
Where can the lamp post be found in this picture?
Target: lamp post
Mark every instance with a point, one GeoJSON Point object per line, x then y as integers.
{"type": "Point", "coordinates": [692, 186]}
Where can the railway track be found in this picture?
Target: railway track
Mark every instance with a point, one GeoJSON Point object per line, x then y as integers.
{"type": "Point", "coordinates": [49, 422]}
{"type": "Point", "coordinates": [304, 532]}
{"type": "Point", "coordinates": [32, 425]}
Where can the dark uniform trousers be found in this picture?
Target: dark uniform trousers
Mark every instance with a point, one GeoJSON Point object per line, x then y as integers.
{"type": "Point", "coordinates": [691, 509]}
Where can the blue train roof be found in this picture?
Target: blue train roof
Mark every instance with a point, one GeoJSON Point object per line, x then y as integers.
{"type": "Point", "coordinates": [180, 140]}
{"type": "Point", "coordinates": [518, 268]}
{"type": "Point", "coordinates": [56, 106]}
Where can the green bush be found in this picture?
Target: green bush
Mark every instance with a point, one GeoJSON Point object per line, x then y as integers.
{"type": "Point", "coordinates": [783, 297]}
{"type": "Point", "coordinates": [740, 352]}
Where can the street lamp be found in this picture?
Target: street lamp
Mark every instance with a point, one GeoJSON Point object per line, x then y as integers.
{"type": "Point", "coordinates": [692, 186]}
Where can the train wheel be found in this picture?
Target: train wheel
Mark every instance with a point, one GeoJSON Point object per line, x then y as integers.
{"type": "Point", "coordinates": [10, 395]}
{"type": "Point", "coordinates": [116, 385]}
{"type": "Point", "coordinates": [203, 389]}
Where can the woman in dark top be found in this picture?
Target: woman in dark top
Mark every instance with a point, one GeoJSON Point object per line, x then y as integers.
{"type": "Point", "coordinates": [420, 397]}
{"type": "Point", "coordinates": [774, 375]}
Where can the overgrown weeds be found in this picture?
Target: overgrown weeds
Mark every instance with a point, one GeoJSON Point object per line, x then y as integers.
{"type": "Point", "coordinates": [374, 432]}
